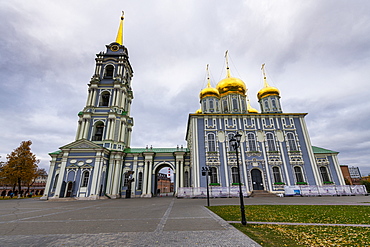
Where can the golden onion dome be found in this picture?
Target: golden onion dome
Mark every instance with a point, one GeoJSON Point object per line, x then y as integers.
{"type": "Point", "coordinates": [231, 85]}
{"type": "Point", "coordinates": [199, 111]}
{"type": "Point", "coordinates": [209, 91]}
{"type": "Point", "coordinates": [268, 91]}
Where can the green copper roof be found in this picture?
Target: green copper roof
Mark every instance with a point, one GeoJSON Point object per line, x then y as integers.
{"type": "Point", "coordinates": [317, 150]}
{"type": "Point", "coordinates": [155, 150]}
{"type": "Point", "coordinates": [56, 152]}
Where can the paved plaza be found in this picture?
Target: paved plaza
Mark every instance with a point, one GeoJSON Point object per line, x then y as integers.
{"type": "Point", "coordinates": [164, 221]}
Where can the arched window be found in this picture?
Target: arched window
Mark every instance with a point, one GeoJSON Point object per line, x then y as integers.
{"type": "Point", "coordinates": [211, 142]}
{"type": "Point", "coordinates": [270, 142]}
{"type": "Point", "coordinates": [108, 73]}
{"type": "Point", "coordinates": [277, 175]}
{"type": "Point", "coordinates": [324, 174]}
{"type": "Point", "coordinates": [214, 175]}
{"type": "Point", "coordinates": [140, 181]}
{"type": "Point", "coordinates": [98, 131]}
{"type": "Point", "coordinates": [204, 106]}
{"type": "Point", "coordinates": [104, 99]}
{"type": "Point", "coordinates": [234, 174]}
{"type": "Point", "coordinates": [273, 102]}
{"type": "Point", "coordinates": [85, 178]}
{"type": "Point", "coordinates": [298, 174]}
{"type": "Point", "coordinates": [252, 142]}
{"type": "Point", "coordinates": [291, 142]}
{"type": "Point", "coordinates": [211, 104]}
{"type": "Point", "coordinates": [266, 104]}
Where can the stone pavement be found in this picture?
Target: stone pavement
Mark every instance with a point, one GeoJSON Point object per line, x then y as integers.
{"type": "Point", "coordinates": [162, 221]}
{"type": "Point", "coordinates": [123, 222]}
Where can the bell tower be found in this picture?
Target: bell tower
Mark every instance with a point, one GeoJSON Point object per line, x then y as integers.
{"type": "Point", "coordinates": [105, 120]}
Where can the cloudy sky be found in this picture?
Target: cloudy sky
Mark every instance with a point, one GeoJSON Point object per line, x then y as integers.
{"type": "Point", "coordinates": [316, 52]}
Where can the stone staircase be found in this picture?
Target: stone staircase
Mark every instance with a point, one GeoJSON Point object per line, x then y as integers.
{"type": "Point", "coordinates": [262, 193]}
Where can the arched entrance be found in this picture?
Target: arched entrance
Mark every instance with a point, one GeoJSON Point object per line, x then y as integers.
{"type": "Point", "coordinates": [164, 181]}
{"type": "Point", "coordinates": [257, 179]}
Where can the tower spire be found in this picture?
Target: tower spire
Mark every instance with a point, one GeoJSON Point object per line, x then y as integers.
{"type": "Point", "coordinates": [119, 38]}
{"type": "Point", "coordinates": [227, 64]}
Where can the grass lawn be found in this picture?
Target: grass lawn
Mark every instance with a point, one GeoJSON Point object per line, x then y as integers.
{"type": "Point", "coordinates": [285, 235]}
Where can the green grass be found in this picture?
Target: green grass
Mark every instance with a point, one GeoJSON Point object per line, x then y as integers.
{"type": "Point", "coordinates": [332, 214]}
{"type": "Point", "coordinates": [288, 235]}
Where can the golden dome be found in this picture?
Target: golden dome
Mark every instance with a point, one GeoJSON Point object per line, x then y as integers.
{"type": "Point", "coordinates": [268, 91]}
{"type": "Point", "coordinates": [250, 108]}
{"type": "Point", "coordinates": [231, 85]}
{"type": "Point", "coordinates": [199, 111]}
{"type": "Point", "coordinates": [209, 91]}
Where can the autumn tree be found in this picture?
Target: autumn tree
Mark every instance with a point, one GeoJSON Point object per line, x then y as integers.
{"type": "Point", "coordinates": [21, 167]}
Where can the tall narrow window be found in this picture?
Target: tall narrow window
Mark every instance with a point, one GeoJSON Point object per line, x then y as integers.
{"type": "Point", "coordinates": [291, 142]}
{"type": "Point", "coordinates": [104, 99]}
{"type": "Point", "coordinates": [235, 104]}
{"type": "Point", "coordinates": [234, 174]}
{"type": "Point", "coordinates": [224, 102]}
{"type": "Point", "coordinates": [186, 179]}
{"type": "Point", "coordinates": [211, 143]}
{"type": "Point", "coordinates": [277, 175]}
{"type": "Point", "coordinates": [204, 106]}
{"type": "Point", "coordinates": [324, 174]}
{"type": "Point", "coordinates": [214, 175]}
{"type": "Point", "coordinates": [273, 102]}
{"type": "Point", "coordinates": [298, 174]}
{"type": "Point", "coordinates": [108, 74]}
{"type": "Point", "coordinates": [140, 181]}
{"type": "Point", "coordinates": [85, 179]}
{"type": "Point", "coordinates": [266, 105]}
{"type": "Point", "coordinates": [270, 142]}
{"type": "Point", "coordinates": [252, 142]}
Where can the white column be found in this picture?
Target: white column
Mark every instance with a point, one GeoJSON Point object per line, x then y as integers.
{"type": "Point", "coordinates": [87, 125]}
{"type": "Point", "coordinates": [88, 97]}
{"type": "Point", "coordinates": [181, 174]}
{"type": "Point", "coordinates": [145, 178]}
{"type": "Point", "coordinates": [61, 175]}
{"type": "Point", "coordinates": [149, 190]}
{"type": "Point", "coordinates": [96, 175]}
{"type": "Point", "coordinates": [177, 172]}
{"type": "Point", "coordinates": [50, 178]}
{"type": "Point", "coordinates": [94, 97]}
{"type": "Point", "coordinates": [78, 129]}
{"type": "Point", "coordinates": [116, 179]}
{"type": "Point", "coordinates": [285, 166]}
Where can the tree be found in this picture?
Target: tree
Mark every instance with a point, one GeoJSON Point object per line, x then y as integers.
{"type": "Point", "coordinates": [40, 172]}
{"type": "Point", "coordinates": [21, 166]}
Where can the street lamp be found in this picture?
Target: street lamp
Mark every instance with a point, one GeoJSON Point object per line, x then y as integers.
{"type": "Point", "coordinates": [235, 143]}
{"type": "Point", "coordinates": [206, 171]}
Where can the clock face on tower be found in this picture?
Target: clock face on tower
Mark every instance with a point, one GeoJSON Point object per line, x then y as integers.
{"type": "Point", "coordinates": [114, 48]}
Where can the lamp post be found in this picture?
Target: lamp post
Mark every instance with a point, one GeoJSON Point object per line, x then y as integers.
{"type": "Point", "coordinates": [206, 172]}
{"type": "Point", "coordinates": [235, 143]}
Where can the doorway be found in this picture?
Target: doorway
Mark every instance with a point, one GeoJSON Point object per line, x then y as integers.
{"type": "Point", "coordinates": [257, 179]}
{"type": "Point", "coordinates": [69, 189]}
{"type": "Point", "coordinates": [164, 182]}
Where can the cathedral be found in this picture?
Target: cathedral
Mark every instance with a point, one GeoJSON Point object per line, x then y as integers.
{"type": "Point", "coordinates": [275, 148]}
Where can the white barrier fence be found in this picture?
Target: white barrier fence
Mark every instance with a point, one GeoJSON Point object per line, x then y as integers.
{"type": "Point", "coordinates": [302, 190]}
{"type": "Point", "coordinates": [325, 190]}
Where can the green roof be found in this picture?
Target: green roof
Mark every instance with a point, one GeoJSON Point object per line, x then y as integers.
{"type": "Point", "coordinates": [155, 150]}
{"type": "Point", "coordinates": [56, 152]}
{"type": "Point", "coordinates": [317, 150]}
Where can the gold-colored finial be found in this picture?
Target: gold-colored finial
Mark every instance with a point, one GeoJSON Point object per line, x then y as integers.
{"type": "Point", "coordinates": [265, 84]}
{"type": "Point", "coordinates": [208, 77]}
{"type": "Point", "coordinates": [119, 38]}
{"type": "Point", "coordinates": [227, 64]}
